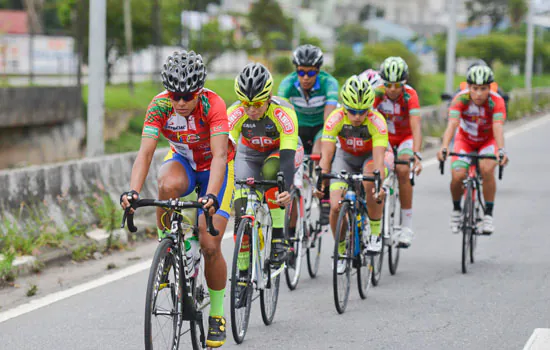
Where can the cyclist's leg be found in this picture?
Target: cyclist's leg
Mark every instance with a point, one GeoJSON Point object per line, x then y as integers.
{"type": "Point", "coordinates": [318, 132]}
{"type": "Point", "coordinates": [404, 152]}
{"type": "Point", "coordinates": [375, 209]}
{"type": "Point", "coordinates": [176, 178]}
{"type": "Point", "coordinates": [248, 163]}
{"type": "Point", "coordinates": [487, 170]}
{"type": "Point", "coordinates": [459, 171]}
{"type": "Point", "coordinates": [306, 133]}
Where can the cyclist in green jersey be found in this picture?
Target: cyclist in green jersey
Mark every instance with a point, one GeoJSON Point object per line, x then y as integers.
{"type": "Point", "coordinates": [314, 95]}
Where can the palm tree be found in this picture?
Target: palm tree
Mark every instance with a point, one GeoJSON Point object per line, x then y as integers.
{"type": "Point", "coordinates": [517, 9]}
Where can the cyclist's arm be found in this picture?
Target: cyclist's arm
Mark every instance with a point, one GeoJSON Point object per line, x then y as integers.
{"type": "Point", "coordinates": [332, 96]}
{"type": "Point", "coordinates": [379, 132]}
{"type": "Point", "coordinates": [455, 113]}
{"type": "Point", "coordinates": [284, 87]}
{"type": "Point", "coordinates": [378, 154]}
{"type": "Point", "coordinates": [328, 148]}
{"type": "Point", "coordinates": [142, 163]}
{"type": "Point", "coordinates": [219, 140]}
{"type": "Point", "coordinates": [332, 127]}
{"type": "Point", "coordinates": [415, 121]}
{"type": "Point", "coordinates": [287, 124]}
{"type": "Point", "coordinates": [499, 116]}
{"type": "Point", "coordinates": [449, 132]}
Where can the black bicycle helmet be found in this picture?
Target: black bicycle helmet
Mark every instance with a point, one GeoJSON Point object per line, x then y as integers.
{"type": "Point", "coordinates": [254, 83]}
{"type": "Point", "coordinates": [307, 56]}
{"type": "Point", "coordinates": [183, 72]}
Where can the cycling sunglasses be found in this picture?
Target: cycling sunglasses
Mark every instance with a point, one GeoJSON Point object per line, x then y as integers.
{"type": "Point", "coordinates": [396, 85]}
{"type": "Point", "coordinates": [310, 73]}
{"type": "Point", "coordinates": [186, 96]}
{"type": "Point", "coordinates": [356, 111]}
{"type": "Point", "coordinates": [257, 104]}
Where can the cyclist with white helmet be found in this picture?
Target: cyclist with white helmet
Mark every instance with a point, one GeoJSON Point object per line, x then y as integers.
{"type": "Point", "coordinates": [194, 120]}
{"type": "Point", "coordinates": [479, 114]}
{"type": "Point", "coordinates": [399, 104]}
{"type": "Point", "coordinates": [363, 137]}
{"type": "Point", "coordinates": [373, 77]}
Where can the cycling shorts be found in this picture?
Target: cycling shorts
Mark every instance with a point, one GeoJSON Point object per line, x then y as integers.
{"type": "Point", "coordinates": [462, 145]}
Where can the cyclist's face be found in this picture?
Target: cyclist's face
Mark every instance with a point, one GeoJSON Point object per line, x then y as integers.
{"type": "Point", "coordinates": [394, 90]}
{"type": "Point", "coordinates": [357, 119]}
{"type": "Point", "coordinates": [254, 112]}
{"type": "Point", "coordinates": [307, 82]}
{"type": "Point", "coordinates": [479, 93]}
{"type": "Point", "coordinates": [185, 108]}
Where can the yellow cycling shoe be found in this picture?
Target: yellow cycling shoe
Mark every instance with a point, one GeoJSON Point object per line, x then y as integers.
{"type": "Point", "coordinates": [216, 331]}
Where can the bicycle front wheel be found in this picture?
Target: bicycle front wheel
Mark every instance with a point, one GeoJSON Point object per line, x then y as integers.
{"type": "Point", "coordinates": [467, 229]}
{"type": "Point", "coordinates": [294, 217]}
{"type": "Point", "coordinates": [241, 281]}
{"type": "Point", "coordinates": [392, 208]}
{"type": "Point", "coordinates": [163, 304]}
{"type": "Point", "coordinates": [314, 238]}
{"type": "Point", "coordinates": [269, 295]}
{"type": "Point", "coordinates": [342, 257]}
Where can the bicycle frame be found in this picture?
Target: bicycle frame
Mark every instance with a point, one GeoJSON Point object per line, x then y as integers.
{"type": "Point", "coordinates": [355, 205]}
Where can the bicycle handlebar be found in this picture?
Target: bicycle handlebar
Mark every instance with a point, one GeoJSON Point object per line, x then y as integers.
{"type": "Point", "coordinates": [409, 162]}
{"type": "Point", "coordinates": [350, 178]}
{"type": "Point", "coordinates": [173, 204]}
{"type": "Point", "coordinates": [471, 156]}
{"type": "Point", "coordinates": [252, 182]}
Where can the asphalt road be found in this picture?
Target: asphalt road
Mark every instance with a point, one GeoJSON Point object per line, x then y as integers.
{"type": "Point", "coordinates": [429, 304]}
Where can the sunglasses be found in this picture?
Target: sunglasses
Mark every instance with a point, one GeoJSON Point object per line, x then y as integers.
{"type": "Point", "coordinates": [186, 96]}
{"type": "Point", "coordinates": [356, 111]}
{"type": "Point", "coordinates": [257, 104]}
{"type": "Point", "coordinates": [310, 73]}
{"type": "Point", "coordinates": [396, 85]}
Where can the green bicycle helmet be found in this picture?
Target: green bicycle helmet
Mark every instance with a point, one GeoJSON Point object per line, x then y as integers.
{"type": "Point", "coordinates": [357, 93]}
{"type": "Point", "coordinates": [480, 75]}
{"type": "Point", "coordinates": [394, 69]}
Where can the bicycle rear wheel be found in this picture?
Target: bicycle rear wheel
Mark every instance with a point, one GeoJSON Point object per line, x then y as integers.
{"type": "Point", "coordinates": [163, 304]}
{"type": "Point", "coordinates": [294, 264]}
{"type": "Point", "coordinates": [314, 239]}
{"type": "Point", "coordinates": [341, 281]}
{"type": "Point", "coordinates": [241, 281]}
{"type": "Point", "coordinates": [393, 208]}
{"type": "Point", "coordinates": [467, 229]}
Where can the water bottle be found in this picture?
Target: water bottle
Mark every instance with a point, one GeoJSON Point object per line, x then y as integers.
{"type": "Point", "coordinates": [192, 256]}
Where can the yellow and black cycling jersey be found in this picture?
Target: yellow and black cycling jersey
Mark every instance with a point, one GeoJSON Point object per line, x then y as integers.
{"type": "Point", "coordinates": [356, 140]}
{"type": "Point", "coordinates": [276, 129]}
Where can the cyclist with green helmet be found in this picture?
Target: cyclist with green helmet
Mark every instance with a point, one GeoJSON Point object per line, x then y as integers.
{"type": "Point", "coordinates": [363, 137]}
{"type": "Point", "coordinates": [398, 102]}
{"type": "Point", "coordinates": [479, 114]}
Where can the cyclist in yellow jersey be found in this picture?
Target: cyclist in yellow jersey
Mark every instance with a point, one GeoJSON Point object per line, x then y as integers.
{"type": "Point", "coordinates": [267, 130]}
{"type": "Point", "coordinates": [363, 137]}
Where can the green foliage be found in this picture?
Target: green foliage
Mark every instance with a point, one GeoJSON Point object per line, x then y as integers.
{"type": "Point", "coordinates": [380, 51]}
{"type": "Point", "coordinates": [496, 10]}
{"type": "Point", "coordinates": [265, 18]}
{"type": "Point", "coordinates": [312, 40]}
{"type": "Point", "coordinates": [282, 65]}
{"type": "Point", "coordinates": [347, 63]}
{"type": "Point", "coordinates": [7, 273]}
{"type": "Point", "coordinates": [517, 9]}
{"type": "Point", "coordinates": [503, 75]}
{"type": "Point", "coordinates": [211, 41]}
{"type": "Point", "coordinates": [106, 210]}
{"type": "Point", "coordinates": [83, 252]}
{"type": "Point", "coordinates": [352, 33]}
{"type": "Point", "coordinates": [33, 289]}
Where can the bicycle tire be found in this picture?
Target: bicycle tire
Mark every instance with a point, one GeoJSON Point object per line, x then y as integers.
{"type": "Point", "coordinates": [341, 297]}
{"type": "Point", "coordinates": [159, 270]}
{"type": "Point", "coordinates": [473, 236]}
{"type": "Point", "coordinates": [268, 296]}
{"type": "Point", "coordinates": [314, 240]}
{"type": "Point", "coordinates": [378, 263]}
{"type": "Point", "coordinates": [393, 206]}
{"type": "Point", "coordinates": [466, 228]}
{"type": "Point", "coordinates": [240, 321]}
{"type": "Point", "coordinates": [198, 288]}
{"type": "Point", "coordinates": [294, 263]}
{"type": "Point", "coordinates": [365, 267]}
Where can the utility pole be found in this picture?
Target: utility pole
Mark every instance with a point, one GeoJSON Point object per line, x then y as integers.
{"type": "Point", "coordinates": [96, 91]}
{"type": "Point", "coordinates": [451, 48]}
{"type": "Point", "coordinates": [530, 46]}
{"type": "Point", "coordinates": [128, 38]}
{"type": "Point", "coordinates": [539, 59]}
{"type": "Point", "coordinates": [296, 26]}
{"type": "Point", "coordinates": [156, 40]}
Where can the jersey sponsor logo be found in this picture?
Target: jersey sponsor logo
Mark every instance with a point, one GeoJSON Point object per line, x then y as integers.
{"type": "Point", "coordinates": [262, 141]}
{"type": "Point", "coordinates": [474, 110]}
{"type": "Point", "coordinates": [284, 119]}
{"type": "Point", "coordinates": [192, 138]}
{"type": "Point", "coordinates": [235, 116]}
{"type": "Point", "coordinates": [269, 126]}
{"type": "Point", "coordinates": [191, 122]}
{"type": "Point", "coordinates": [334, 120]}
{"type": "Point", "coordinates": [150, 131]}
{"type": "Point", "coordinates": [249, 125]}
{"type": "Point", "coordinates": [378, 123]}
{"type": "Point", "coordinates": [176, 123]}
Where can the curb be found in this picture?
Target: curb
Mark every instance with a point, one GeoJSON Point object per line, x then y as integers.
{"type": "Point", "coordinates": [28, 264]}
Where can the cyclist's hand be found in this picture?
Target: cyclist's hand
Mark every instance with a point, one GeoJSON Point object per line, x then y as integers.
{"type": "Point", "coordinates": [283, 198]}
{"type": "Point", "coordinates": [417, 166]}
{"type": "Point", "coordinates": [379, 197]}
{"type": "Point", "coordinates": [502, 159]}
{"type": "Point", "coordinates": [209, 205]}
{"type": "Point", "coordinates": [440, 156]}
{"type": "Point", "coordinates": [125, 203]}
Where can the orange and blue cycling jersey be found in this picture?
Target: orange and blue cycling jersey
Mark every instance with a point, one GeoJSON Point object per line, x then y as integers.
{"type": "Point", "coordinates": [277, 129]}
{"type": "Point", "coordinates": [356, 140]}
{"type": "Point", "coordinates": [189, 136]}
{"type": "Point", "coordinates": [398, 112]}
{"type": "Point", "coordinates": [476, 122]}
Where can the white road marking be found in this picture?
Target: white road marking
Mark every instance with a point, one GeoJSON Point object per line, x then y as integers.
{"type": "Point", "coordinates": [131, 270]}
{"type": "Point", "coordinates": [539, 340]}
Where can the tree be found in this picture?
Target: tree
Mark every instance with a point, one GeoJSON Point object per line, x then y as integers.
{"type": "Point", "coordinates": [211, 41]}
{"type": "Point", "coordinates": [266, 20]}
{"type": "Point", "coordinates": [496, 10]}
{"type": "Point", "coordinates": [141, 25]}
{"type": "Point", "coordinates": [351, 34]}
{"type": "Point", "coordinates": [517, 9]}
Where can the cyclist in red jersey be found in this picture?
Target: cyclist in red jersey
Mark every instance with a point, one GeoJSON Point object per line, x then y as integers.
{"type": "Point", "coordinates": [398, 103]}
{"type": "Point", "coordinates": [479, 115]}
{"type": "Point", "coordinates": [194, 120]}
